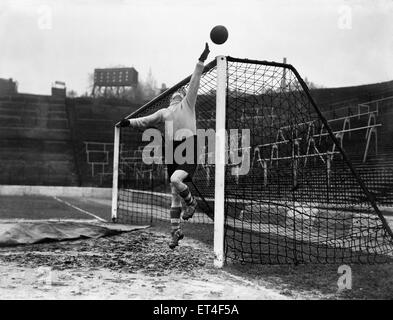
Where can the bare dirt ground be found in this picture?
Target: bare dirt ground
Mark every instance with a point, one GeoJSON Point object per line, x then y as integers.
{"type": "Point", "coordinates": [139, 265]}
{"type": "Point", "coordinates": [134, 265]}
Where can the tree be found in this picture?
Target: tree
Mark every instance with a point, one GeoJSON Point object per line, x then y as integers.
{"type": "Point", "coordinates": [72, 94]}
{"type": "Point", "coordinates": [147, 89]}
{"type": "Point", "coordinates": [312, 85]}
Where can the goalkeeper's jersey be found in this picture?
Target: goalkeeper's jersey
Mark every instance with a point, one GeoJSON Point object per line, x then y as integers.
{"type": "Point", "coordinates": [180, 117]}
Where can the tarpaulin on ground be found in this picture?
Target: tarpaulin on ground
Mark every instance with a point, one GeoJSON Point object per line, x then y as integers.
{"type": "Point", "coordinates": [18, 233]}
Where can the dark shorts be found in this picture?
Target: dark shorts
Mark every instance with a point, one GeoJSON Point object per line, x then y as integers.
{"type": "Point", "coordinates": [187, 167]}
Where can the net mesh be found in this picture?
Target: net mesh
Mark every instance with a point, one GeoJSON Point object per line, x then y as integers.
{"type": "Point", "coordinates": [144, 190]}
{"type": "Point", "coordinates": [290, 196]}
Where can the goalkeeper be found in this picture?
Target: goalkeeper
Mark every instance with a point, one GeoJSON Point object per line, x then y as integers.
{"type": "Point", "coordinates": [181, 112]}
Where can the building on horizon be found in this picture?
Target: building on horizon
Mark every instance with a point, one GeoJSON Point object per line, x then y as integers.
{"type": "Point", "coordinates": [8, 87]}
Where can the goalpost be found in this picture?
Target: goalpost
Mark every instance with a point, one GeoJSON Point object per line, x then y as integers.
{"type": "Point", "coordinates": [281, 191]}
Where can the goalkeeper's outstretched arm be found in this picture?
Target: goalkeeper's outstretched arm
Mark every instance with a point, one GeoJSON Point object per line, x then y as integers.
{"type": "Point", "coordinates": [192, 92]}
{"type": "Point", "coordinates": [143, 122]}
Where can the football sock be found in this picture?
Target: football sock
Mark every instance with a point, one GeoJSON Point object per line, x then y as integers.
{"type": "Point", "coordinates": [175, 218]}
{"type": "Point", "coordinates": [187, 196]}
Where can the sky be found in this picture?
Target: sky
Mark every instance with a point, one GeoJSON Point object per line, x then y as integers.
{"type": "Point", "coordinates": [331, 42]}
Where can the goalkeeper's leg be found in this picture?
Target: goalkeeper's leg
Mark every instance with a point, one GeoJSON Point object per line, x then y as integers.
{"type": "Point", "coordinates": [177, 179]}
{"type": "Point", "coordinates": [176, 232]}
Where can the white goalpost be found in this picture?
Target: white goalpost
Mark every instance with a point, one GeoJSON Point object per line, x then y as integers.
{"type": "Point", "coordinates": [116, 155]}
{"type": "Point", "coordinates": [220, 150]}
{"type": "Point", "coordinates": [219, 196]}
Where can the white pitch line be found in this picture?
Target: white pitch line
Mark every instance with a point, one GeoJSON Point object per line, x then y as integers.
{"type": "Point", "coordinates": [22, 220]}
{"type": "Point", "coordinates": [79, 209]}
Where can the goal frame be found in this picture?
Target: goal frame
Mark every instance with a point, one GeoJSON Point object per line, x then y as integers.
{"type": "Point", "coordinates": [221, 63]}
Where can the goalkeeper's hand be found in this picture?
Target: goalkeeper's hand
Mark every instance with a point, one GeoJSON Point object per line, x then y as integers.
{"type": "Point", "coordinates": [124, 123]}
{"type": "Point", "coordinates": [205, 53]}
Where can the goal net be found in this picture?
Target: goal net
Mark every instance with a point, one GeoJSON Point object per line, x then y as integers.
{"type": "Point", "coordinates": [290, 193]}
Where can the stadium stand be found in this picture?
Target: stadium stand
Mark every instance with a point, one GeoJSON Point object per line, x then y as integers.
{"type": "Point", "coordinates": [366, 135]}
{"type": "Point", "coordinates": [35, 147]}
{"type": "Point", "coordinates": [47, 140]}
{"type": "Point", "coordinates": [92, 124]}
